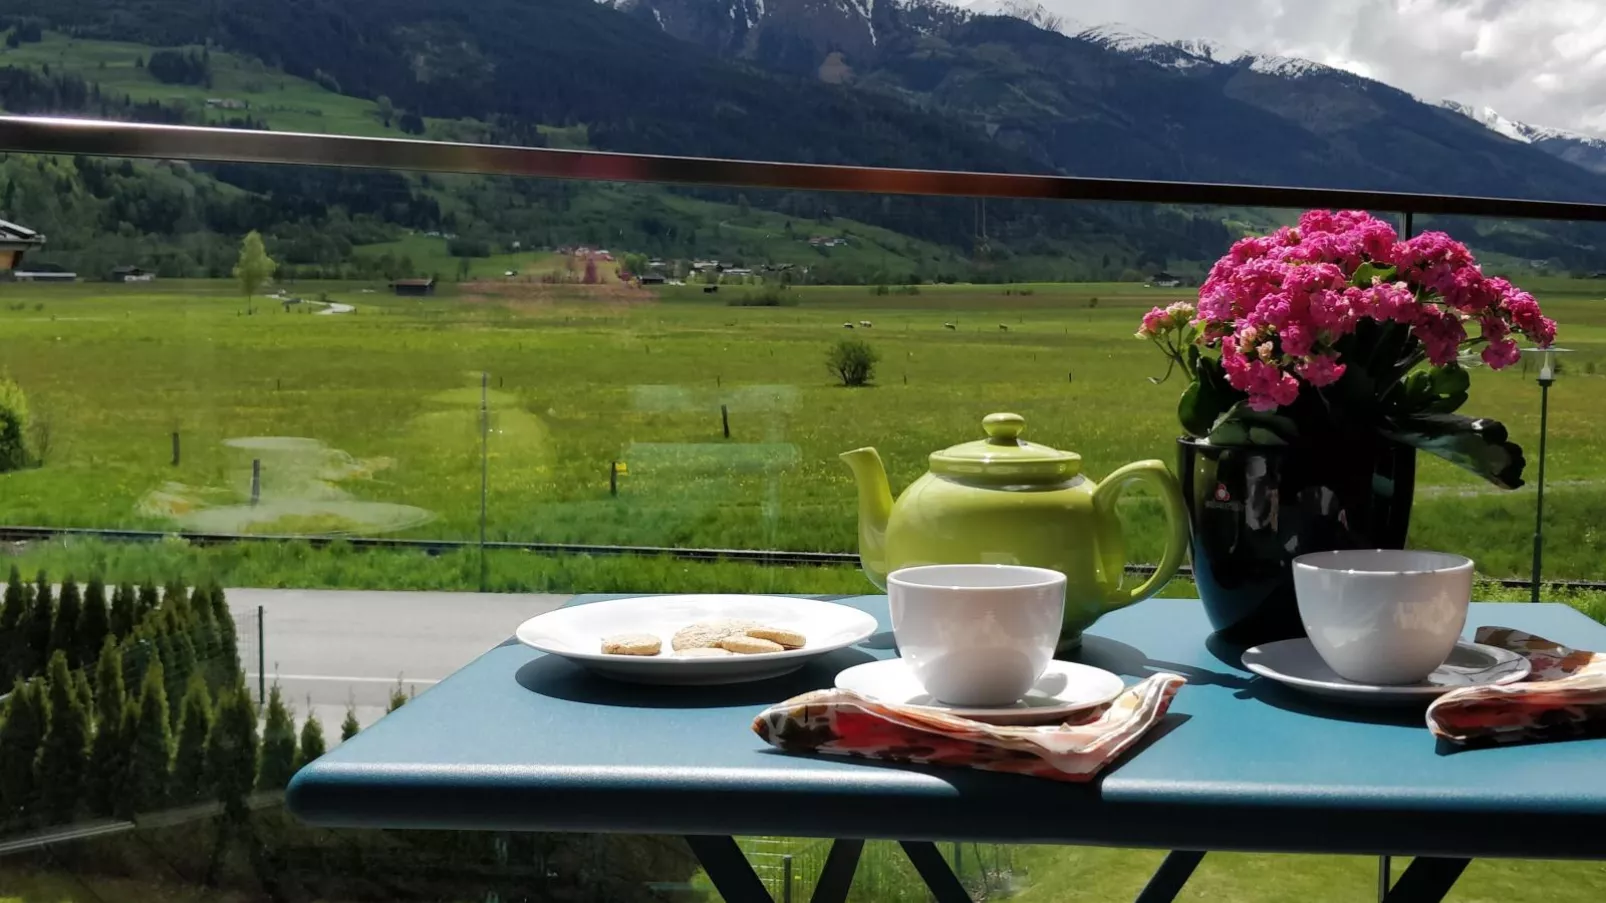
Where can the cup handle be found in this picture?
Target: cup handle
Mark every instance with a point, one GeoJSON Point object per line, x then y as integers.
{"type": "Point", "coordinates": [1176, 517]}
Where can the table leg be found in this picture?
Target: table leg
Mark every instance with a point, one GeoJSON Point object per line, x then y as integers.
{"type": "Point", "coordinates": [1427, 880]}
{"type": "Point", "coordinates": [727, 866]}
{"type": "Point", "coordinates": [934, 870]}
{"type": "Point", "coordinates": [1384, 878]}
{"type": "Point", "coordinates": [1170, 877]}
{"type": "Point", "coordinates": [836, 878]}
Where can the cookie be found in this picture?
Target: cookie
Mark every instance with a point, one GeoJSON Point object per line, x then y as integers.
{"type": "Point", "coordinates": [704, 652]}
{"type": "Point", "coordinates": [708, 634]}
{"type": "Point", "coordinates": [742, 644]}
{"type": "Point", "coordinates": [790, 639]}
{"type": "Point", "coordinates": [631, 644]}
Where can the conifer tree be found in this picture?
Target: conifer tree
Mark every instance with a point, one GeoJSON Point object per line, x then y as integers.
{"type": "Point", "coordinates": [64, 752]}
{"type": "Point", "coordinates": [36, 632]}
{"type": "Point", "coordinates": [228, 637]}
{"type": "Point", "coordinates": [194, 730]}
{"type": "Point", "coordinates": [231, 753]}
{"type": "Point", "coordinates": [179, 673]}
{"type": "Point", "coordinates": [350, 726]}
{"type": "Point", "coordinates": [176, 598]}
{"type": "Point", "coordinates": [312, 745]}
{"type": "Point", "coordinates": [64, 630]}
{"type": "Point", "coordinates": [95, 625]}
{"type": "Point", "coordinates": [150, 758]}
{"type": "Point", "coordinates": [20, 736]}
{"type": "Point", "coordinates": [123, 614]}
{"type": "Point", "coordinates": [146, 602]}
{"type": "Point", "coordinates": [13, 613]}
{"type": "Point", "coordinates": [278, 745]}
{"type": "Point", "coordinates": [107, 753]}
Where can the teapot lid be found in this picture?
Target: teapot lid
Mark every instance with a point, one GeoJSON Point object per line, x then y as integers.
{"type": "Point", "coordinates": [1003, 457]}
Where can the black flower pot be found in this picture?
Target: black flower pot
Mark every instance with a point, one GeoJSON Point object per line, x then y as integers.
{"type": "Point", "coordinates": [1253, 510]}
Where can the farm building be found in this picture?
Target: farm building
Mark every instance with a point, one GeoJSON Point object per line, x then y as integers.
{"type": "Point", "coordinates": [43, 276]}
{"type": "Point", "coordinates": [130, 274]}
{"type": "Point", "coordinates": [413, 287]}
{"type": "Point", "coordinates": [16, 241]}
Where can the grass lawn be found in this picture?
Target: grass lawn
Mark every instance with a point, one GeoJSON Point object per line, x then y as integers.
{"type": "Point", "coordinates": [368, 422]}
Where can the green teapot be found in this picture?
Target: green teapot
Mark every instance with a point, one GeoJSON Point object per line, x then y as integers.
{"type": "Point", "coordinates": [1001, 500]}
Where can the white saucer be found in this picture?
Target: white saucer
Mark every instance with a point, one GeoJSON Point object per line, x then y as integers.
{"type": "Point", "coordinates": [1064, 690]}
{"type": "Point", "coordinates": [1295, 663]}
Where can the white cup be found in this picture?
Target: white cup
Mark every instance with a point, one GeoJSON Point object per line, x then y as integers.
{"type": "Point", "coordinates": [1383, 616]}
{"type": "Point", "coordinates": [977, 635]}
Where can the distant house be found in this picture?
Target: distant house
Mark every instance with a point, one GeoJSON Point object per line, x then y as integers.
{"type": "Point", "coordinates": [413, 287]}
{"type": "Point", "coordinates": [1165, 280]}
{"type": "Point", "coordinates": [130, 274]}
{"type": "Point", "coordinates": [226, 103]}
{"type": "Point", "coordinates": [652, 279]}
{"type": "Point", "coordinates": [16, 241]}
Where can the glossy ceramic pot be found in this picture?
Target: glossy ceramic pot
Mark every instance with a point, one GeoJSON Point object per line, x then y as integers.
{"type": "Point", "coordinates": [1253, 509]}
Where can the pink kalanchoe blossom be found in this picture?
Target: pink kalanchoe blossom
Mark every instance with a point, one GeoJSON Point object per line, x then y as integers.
{"type": "Point", "coordinates": [1278, 306]}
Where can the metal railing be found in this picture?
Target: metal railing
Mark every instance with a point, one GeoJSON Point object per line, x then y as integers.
{"type": "Point", "coordinates": [44, 135]}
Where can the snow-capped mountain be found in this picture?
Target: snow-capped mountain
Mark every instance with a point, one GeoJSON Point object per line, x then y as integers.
{"type": "Point", "coordinates": [1583, 150]}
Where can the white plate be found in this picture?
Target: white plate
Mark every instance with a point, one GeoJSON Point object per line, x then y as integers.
{"type": "Point", "coordinates": [576, 633]}
{"type": "Point", "coordinates": [1296, 663]}
{"type": "Point", "coordinates": [1064, 690]}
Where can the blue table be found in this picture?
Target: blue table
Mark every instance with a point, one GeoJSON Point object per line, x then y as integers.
{"type": "Point", "coordinates": [522, 741]}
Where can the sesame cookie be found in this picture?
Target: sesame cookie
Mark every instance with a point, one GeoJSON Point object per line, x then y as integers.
{"type": "Point", "coordinates": [631, 644]}
{"type": "Point", "coordinates": [790, 639]}
{"type": "Point", "coordinates": [750, 645]}
{"type": "Point", "coordinates": [708, 634]}
{"type": "Point", "coordinates": [704, 652]}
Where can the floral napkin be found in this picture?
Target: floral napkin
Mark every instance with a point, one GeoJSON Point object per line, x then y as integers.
{"type": "Point", "coordinates": [1564, 697]}
{"type": "Point", "coordinates": [841, 723]}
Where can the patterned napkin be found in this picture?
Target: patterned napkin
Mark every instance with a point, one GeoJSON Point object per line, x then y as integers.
{"type": "Point", "coordinates": [841, 723]}
{"type": "Point", "coordinates": [1564, 697]}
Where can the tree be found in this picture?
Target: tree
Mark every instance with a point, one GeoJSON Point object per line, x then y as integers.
{"type": "Point", "coordinates": [14, 427]}
{"type": "Point", "coordinates": [231, 753]}
{"type": "Point", "coordinates": [278, 745]}
{"type": "Point", "coordinates": [13, 614]}
{"type": "Point", "coordinates": [255, 267]}
{"type": "Point", "coordinates": [636, 264]}
{"type": "Point", "coordinates": [349, 727]}
{"type": "Point", "coordinates": [853, 361]}
{"type": "Point", "coordinates": [64, 631]}
{"type": "Point", "coordinates": [176, 598]}
{"type": "Point", "coordinates": [150, 758]}
{"type": "Point", "coordinates": [194, 733]}
{"type": "Point", "coordinates": [124, 615]}
{"type": "Point", "coordinates": [20, 736]}
{"type": "Point", "coordinates": [106, 752]}
{"type": "Point", "coordinates": [590, 277]}
{"type": "Point", "coordinates": [63, 754]}
{"type": "Point", "coordinates": [37, 630]}
{"type": "Point", "coordinates": [312, 745]}
{"type": "Point", "coordinates": [398, 696]}
{"type": "Point", "coordinates": [95, 626]}
{"type": "Point", "coordinates": [147, 602]}
{"type": "Point", "coordinates": [387, 110]}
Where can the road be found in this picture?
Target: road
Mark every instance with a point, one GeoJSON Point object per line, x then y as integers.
{"type": "Point", "coordinates": [329, 649]}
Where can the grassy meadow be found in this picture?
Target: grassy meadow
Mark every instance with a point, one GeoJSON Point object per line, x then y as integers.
{"type": "Point", "coordinates": [369, 422]}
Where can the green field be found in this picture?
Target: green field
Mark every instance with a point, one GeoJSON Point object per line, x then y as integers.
{"type": "Point", "coordinates": [368, 422]}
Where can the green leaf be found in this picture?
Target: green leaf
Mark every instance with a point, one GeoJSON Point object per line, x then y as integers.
{"type": "Point", "coordinates": [1478, 445]}
{"type": "Point", "coordinates": [1366, 272]}
{"type": "Point", "coordinates": [1436, 390]}
{"type": "Point", "coordinates": [1243, 425]}
{"type": "Point", "coordinates": [1206, 399]}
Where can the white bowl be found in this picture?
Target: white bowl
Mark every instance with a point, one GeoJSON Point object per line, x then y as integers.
{"type": "Point", "coordinates": [1383, 616]}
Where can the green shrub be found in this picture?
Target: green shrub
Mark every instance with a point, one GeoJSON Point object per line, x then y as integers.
{"type": "Point", "coordinates": [150, 760]}
{"type": "Point", "coordinates": [853, 362]}
{"type": "Point", "coordinates": [231, 752]}
{"type": "Point", "coordinates": [14, 426]}
{"type": "Point", "coordinates": [312, 746]}
{"type": "Point", "coordinates": [20, 736]}
{"type": "Point", "coordinates": [194, 730]}
{"type": "Point", "coordinates": [64, 752]}
{"type": "Point", "coordinates": [773, 295]}
{"type": "Point", "coordinates": [278, 745]}
{"type": "Point", "coordinates": [349, 727]}
{"type": "Point", "coordinates": [107, 752]}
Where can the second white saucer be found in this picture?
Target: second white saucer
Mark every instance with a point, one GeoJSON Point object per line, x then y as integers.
{"type": "Point", "coordinates": [1064, 690]}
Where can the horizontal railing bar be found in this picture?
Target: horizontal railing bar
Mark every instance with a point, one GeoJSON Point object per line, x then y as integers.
{"type": "Point", "coordinates": [45, 135]}
{"type": "Point", "coordinates": [774, 557]}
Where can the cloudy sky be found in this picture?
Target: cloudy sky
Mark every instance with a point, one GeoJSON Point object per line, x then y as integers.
{"type": "Point", "coordinates": [1537, 61]}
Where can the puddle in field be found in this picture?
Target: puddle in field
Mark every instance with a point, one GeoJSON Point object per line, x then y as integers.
{"type": "Point", "coordinates": [304, 491]}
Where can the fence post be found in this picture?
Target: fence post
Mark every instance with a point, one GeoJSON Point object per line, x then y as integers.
{"type": "Point", "coordinates": [262, 661]}
{"type": "Point", "coordinates": [725, 419]}
{"type": "Point", "coordinates": [485, 463]}
{"type": "Point", "coordinates": [175, 448]}
{"type": "Point", "coordinates": [613, 477]}
{"type": "Point", "coordinates": [256, 481]}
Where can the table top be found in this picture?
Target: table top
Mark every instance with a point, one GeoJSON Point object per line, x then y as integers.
{"type": "Point", "coordinates": [522, 741]}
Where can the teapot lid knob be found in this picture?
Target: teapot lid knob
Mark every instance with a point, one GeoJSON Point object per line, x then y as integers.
{"type": "Point", "coordinates": [1003, 429]}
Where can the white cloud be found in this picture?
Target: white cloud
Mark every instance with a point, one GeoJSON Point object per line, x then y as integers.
{"type": "Point", "coordinates": [1538, 61]}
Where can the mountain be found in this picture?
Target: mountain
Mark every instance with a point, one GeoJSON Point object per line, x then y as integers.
{"type": "Point", "coordinates": [1582, 150]}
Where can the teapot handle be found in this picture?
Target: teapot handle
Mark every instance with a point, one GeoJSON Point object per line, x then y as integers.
{"type": "Point", "coordinates": [1176, 518]}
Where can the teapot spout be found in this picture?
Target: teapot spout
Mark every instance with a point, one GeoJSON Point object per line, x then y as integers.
{"type": "Point", "coordinates": [875, 508]}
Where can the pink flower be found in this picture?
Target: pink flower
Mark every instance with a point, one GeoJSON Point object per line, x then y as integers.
{"type": "Point", "coordinates": [1322, 371]}
{"type": "Point", "coordinates": [1154, 323]}
{"type": "Point", "coordinates": [1441, 334]}
{"type": "Point", "coordinates": [1499, 355]}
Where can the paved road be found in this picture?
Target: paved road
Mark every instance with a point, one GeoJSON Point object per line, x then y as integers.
{"type": "Point", "coordinates": [331, 648]}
